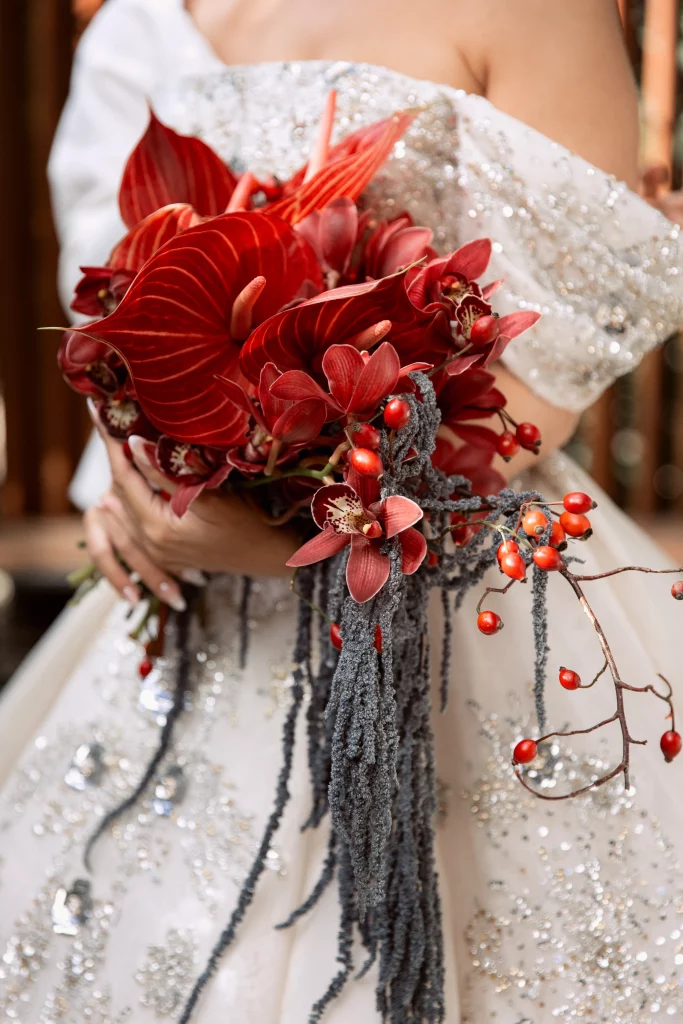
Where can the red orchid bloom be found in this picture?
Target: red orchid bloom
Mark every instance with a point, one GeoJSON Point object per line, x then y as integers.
{"type": "Point", "coordinates": [473, 396]}
{"type": "Point", "coordinates": [191, 469]}
{"type": "Point", "coordinates": [344, 518]}
{"type": "Point", "coordinates": [358, 381]}
{"type": "Point", "coordinates": [282, 426]}
{"type": "Point", "coordinates": [90, 367]}
{"type": "Point", "coordinates": [472, 463]}
{"type": "Point", "coordinates": [183, 320]}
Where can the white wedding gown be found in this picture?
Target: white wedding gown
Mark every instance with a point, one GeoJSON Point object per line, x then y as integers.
{"type": "Point", "coordinates": [551, 911]}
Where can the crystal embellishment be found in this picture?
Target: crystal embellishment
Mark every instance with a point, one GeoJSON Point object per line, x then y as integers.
{"type": "Point", "coordinates": [71, 908]}
{"type": "Point", "coordinates": [169, 790]}
{"type": "Point", "coordinates": [87, 767]}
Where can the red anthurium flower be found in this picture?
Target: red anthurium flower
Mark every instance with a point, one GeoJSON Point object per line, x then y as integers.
{"type": "Point", "coordinates": [344, 519]}
{"type": "Point", "coordinates": [472, 463]}
{"type": "Point", "coordinates": [280, 424]}
{"type": "Point", "coordinates": [355, 314]}
{"type": "Point", "coordinates": [184, 318]}
{"type": "Point", "coordinates": [166, 168]}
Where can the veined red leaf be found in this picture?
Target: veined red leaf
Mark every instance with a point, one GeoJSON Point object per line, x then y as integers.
{"type": "Point", "coordinates": [166, 168]}
{"type": "Point", "coordinates": [172, 328]}
{"type": "Point", "coordinates": [297, 338]}
{"type": "Point", "coordinates": [150, 234]}
{"type": "Point", "coordinates": [347, 176]}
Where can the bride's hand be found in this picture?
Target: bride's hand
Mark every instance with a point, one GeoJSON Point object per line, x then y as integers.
{"type": "Point", "coordinates": [216, 534]}
{"type": "Point", "coordinates": [670, 204]}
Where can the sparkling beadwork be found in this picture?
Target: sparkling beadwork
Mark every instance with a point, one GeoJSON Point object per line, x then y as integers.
{"type": "Point", "coordinates": [71, 908]}
{"type": "Point", "coordinates": [87, 767]}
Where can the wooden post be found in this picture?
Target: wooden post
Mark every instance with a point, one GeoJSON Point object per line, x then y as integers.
{"type": "Point", "coordinates": [660, 42]}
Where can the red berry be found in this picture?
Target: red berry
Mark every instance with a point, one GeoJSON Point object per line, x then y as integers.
{"type": "Point", "coordinates": [396, 414]}
{"type": "Point", "coordinates": [524, 752]}
{"type": "Point", "coordinates": [484, 331]}
{"type": "Point", "coordinates": [145, 667]}
{"type": "Point", "coordinates": [507, 446]}
{"type": "Point", "coordinates": [506, 547]}
{"type": "Point", "coordinates": [569, 679]}
{"type": "Point", "coordinates": [575, 525]}
{"type": "Point", "coordinates": [366, 462]}
{"type": "Point", "coordinates": [364, 435]}
{"type": "Point", "coordinates": [378, 638]}
{"type": "Point", "coordinates": [677, 590]}
{"type": "Point", "coordinates": [372, 530]}
{"type": "Point", "coordinates": [335, 636]}
{"type": "Point", "coordinates": [432, 559]}
{"type": "Point", "coordinates": [461, 529]}
{"type": "Point", "coordinates": [489, 623]}
{"type": "Point", "coordinates": [534, 522]}
{"type": "Point", "coordinates": [671, 744]}
{"type": "Point", "coordinates": [578, 502]}
{"type": "Point", "coordinates": [548, 558]}
{"type": "Point", "coordinates": [513, 566]}
{"type": "Point", "coordinates": [529, 436]}
{"type": "Point", "coordinates": [558, 537]}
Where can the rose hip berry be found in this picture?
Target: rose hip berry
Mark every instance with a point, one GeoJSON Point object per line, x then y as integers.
{"type": "Point", "coordinates": [578, 502]}
{"type": "Point", "coordinates": [671, 744]}
{"type": "Point", "coordinates": [378, 638]}
{"type": "Point", "coordinates": [396, 414]}
{"type": "Point", "coordinates": [534, 522]}
{"type": "Point", "coordinates": [508, 445]}
{"type": "Point", "coordinates": [677, 590]}
{"type": "Point", "coordinates": [335, 636]}
{"type": "Point", "coordinates": [558, 536]}
{"type": "Point", "coordinates": [145, 667]}
{"type": "Point", "coordinates": [489, 623]}
{"type": "Point", "coordinates": [524, 752]}
{"type": "Point", "coordinates": [506, 547]}
{"type": "Point", "coordinates": [513, 565]}
{"type": "Point", "coordinates": [548, 558]}
{"type": "Point", "coordinates": [529, 436]}
{"type": "Point", "coordinates": [569, 679]}
{"type": "Point", "coordinates": [576, 525]}
{"type": "Point", "coordinates": [364, 435]}
{"type": "Point", "coordinates": [484, 331]}
{"type": "Point", "coordinates": [366, 462]}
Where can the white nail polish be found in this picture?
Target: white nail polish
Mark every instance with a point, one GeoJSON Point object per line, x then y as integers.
{"type": "Point", "coordinates": [194, 576]}
{"type": "Point", "coordinates": [131, 594]}
{"type": "Point", "coordinates": [92, 409]}
{"type": "Point", "coordinates": [172, 597]}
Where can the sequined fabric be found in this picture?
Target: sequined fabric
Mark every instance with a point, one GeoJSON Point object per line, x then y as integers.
{"type": "Point", "coordinates": [570, 241]}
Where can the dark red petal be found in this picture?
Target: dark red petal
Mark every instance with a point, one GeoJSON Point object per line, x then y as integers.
{"type": "Point", "coordinates": [324, 545]}
{"type": "Point", "coordinates": [329, 503]}
{"type": "Point", "coordinates": [377, 379]}
{"type": "Point", "coordinates": [145, 238]}
{"type": "Point", "coordinates": [302, 422]}
{"type": "Point", "coordinates": [338, 229]}
{"type": "Point", "coordinates": [272, 406]}
{"type": "Point", "coordinates": [343, 366]}
{"type": "Point", "coordinates": [367, 570]}
{"type": "Point", "coordinates": [165, 168]}
{"type": "Point", "coordinates": [398, 513]}
{"type": "Point", "coordinates": [413, 550]}
{"type": "Point", "coordinates": [479, 437]}
{"type": "Point", "coordinates": [514, 324]}
{"type": "Point", "coordinates": [172, 326]}
{"type": "Point", "coordinates": [404, 248]}
{"type": "Point", "coordinates": [471, 259]}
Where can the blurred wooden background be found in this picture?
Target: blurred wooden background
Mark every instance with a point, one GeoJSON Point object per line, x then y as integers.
{"type": "Point", "coordinates": [632, 441]}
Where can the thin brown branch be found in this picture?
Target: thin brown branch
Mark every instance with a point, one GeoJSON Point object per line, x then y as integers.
{"type": "Point", "coordinates": [624, 568]}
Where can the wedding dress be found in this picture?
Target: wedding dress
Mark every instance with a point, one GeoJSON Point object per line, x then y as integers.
{"type": "Point", "coordinates": [551, 911]}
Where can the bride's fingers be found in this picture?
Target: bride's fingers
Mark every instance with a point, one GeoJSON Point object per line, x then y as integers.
{"type": "Point", "coordinates": [118, 530]}
{"type": "Point", "coordinates": [151, 473]}
{"type": "Point", "coordinates": [103, 557]}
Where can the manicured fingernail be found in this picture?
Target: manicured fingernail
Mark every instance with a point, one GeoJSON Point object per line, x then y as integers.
{"type": "Point", "coordinates": [194, 576]}
{"type": "Point", "coordinates": [137, 446]}
{"type": "Point", "coordinates": [92, 409]}
{"type": "Point", "coordinates": [172, 597]}
{"type": "Point", "coordinates": [131, 594]}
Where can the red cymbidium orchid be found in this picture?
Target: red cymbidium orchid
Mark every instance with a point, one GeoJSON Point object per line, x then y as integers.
{"type": "Point", "coordinates": [346, 518]}
{"type": "Point", "coordinates": [281, 426]}
{"type": "Point", "coordinates": [472, 396]}
{"type": "Point", "coordinates": [191, 469]}
{"type": "Point", "coordinates": [358, 381]}
{"type": "Point", "coordinates": [90, 367]}
{"type": "Point", "coordinates": [472, 463]}
{"type": "Point", "coordinates": [358, 315]}
{"type": "Point", "coordinates": [184, 318]}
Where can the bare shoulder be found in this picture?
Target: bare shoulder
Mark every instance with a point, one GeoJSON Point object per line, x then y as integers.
{"type": "Point", "coordinates": [562, 67]}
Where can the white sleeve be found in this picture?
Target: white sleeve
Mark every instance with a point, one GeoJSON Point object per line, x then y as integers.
{"type": "Point", "coordinates": [117, 66]}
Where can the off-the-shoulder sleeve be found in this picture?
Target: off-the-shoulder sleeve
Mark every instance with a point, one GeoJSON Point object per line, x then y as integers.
{"type": "Point", "coordinates": [603, 267]}
{"type": "Point", "coordinates": [117, 65]}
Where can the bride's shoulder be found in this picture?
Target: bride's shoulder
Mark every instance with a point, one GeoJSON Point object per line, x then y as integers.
{"type": "Point", "coordinates": [117, 19]}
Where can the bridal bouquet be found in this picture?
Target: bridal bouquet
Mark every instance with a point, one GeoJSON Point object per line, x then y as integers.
{"type": "Point", "coordinates": [275, 340]}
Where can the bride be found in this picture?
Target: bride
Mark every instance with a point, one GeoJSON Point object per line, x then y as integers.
{"type": "Point", "coordinates": [550, 911]}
